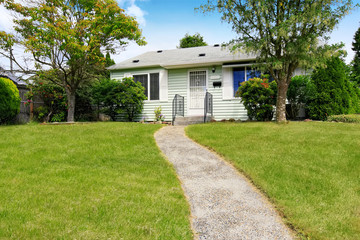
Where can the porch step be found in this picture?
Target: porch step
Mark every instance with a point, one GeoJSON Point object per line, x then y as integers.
{"type": "Point", "coordinates": [188, 120]}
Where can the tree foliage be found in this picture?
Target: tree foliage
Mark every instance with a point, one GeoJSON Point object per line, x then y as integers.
{"type": "Point", "coordinates": [189, 41]}
{"type": "Point", "coordinates": [131, 98]}
{"type": "Point", "coordinates": [334, 93]}
{"type": "Point", "coordinates": [285, 34]}
{"type": "Point", "coordinates": [259, 98]}
{"type": "Point", "coordinates": [9, 100]}
{"type": "Point", "coordinates": [124, 97]}
{"type": "Point", "coordinates": [106, 95]}
{"type": "Point", "coordinates": [355, 73]}
{"type": "Point", "coordinates": [300, 93]}
{"type": "Point", "coordinates": [69, 36]}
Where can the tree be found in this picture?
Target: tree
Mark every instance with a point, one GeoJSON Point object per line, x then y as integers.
{"type": "Point", "coordinates": [9, 100]}
{"type": "Point", "coordinates": [131, 98]}
{"type": "Point", "coordinates": [334, 93]}
{"type": "Point", "coordinates": [189, 41]}
{"type": "Point", "coordinates": [355, 75]}
{"type": "Point", "coordinates": [66, 38]}
{"type": "Point", "coordinates": [285, 34]}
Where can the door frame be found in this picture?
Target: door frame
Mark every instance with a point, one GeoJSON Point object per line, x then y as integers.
{"type": "Point", "coordinates": [188, 89]}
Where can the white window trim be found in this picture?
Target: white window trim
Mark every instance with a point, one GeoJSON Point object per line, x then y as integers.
{"type": "Point", "coordinates": [148, 78]}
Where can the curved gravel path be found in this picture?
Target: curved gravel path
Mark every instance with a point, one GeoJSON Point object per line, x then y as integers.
{"type": "Point", "coordinates": [223, 203]}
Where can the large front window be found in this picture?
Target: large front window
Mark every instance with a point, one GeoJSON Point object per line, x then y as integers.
{"type": "Point", "coordinates": [241, 74]}
{"type": "Point", "coordinates": [151, 84]}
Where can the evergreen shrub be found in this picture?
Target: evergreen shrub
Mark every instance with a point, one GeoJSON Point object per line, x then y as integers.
{"type": "Point", "coordinates": [9, 100]}
{"type": "Point", "coordinates": [334, 93]}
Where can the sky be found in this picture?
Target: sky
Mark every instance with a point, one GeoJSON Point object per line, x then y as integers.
{"type": "Point", "coordinates": [165, 22]}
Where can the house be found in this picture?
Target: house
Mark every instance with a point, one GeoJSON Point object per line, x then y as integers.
{"type": "Point", "coordinates": [190, 82]}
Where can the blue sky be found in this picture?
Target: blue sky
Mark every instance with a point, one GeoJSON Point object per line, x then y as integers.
{"type": "Point", "coordinates": [165, 22]}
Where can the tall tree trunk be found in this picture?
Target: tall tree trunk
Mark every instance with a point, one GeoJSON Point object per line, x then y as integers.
{"type": "Point", "coordinates": [282, 87]}
{"type": "Point", "coordinates": [71, 105]}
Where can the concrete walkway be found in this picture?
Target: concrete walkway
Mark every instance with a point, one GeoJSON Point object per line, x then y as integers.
{"type": "Point", "coordinates": [223, 203]}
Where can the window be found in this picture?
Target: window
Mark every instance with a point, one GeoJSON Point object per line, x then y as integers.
{"type": "Point", "coordinates": [152, 87]}
{"type": "Point", "coordinates": [242, 74]}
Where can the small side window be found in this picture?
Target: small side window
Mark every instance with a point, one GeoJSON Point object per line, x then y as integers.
{"type": "Point", "coordinates": [154, 86]}
{"type": "Point", "coordinates": [143, 79]}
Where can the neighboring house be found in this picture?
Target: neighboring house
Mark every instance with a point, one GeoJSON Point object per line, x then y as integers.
{"type": "Point", "coordinates": [190, 73]}
{"type": "Point", "coordinates": [24, 115]}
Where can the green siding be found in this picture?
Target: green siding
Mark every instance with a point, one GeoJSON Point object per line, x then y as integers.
{"type": "Point", "coordinates": [178, 84]}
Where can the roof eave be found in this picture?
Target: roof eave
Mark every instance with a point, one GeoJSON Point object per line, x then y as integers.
{"type": "Point", "coordinates": [132, 67]}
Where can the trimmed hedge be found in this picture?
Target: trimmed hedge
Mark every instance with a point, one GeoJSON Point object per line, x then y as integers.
{"type": "Point", "coordinates": [9, 100]}
{"type": "Point", "coordinates": [351, 118]}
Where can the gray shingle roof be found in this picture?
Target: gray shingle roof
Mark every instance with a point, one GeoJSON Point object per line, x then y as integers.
{"type": "Point", "coordinates": [183, 57]}
{"type": "Point", "coordinates": [12, 77]}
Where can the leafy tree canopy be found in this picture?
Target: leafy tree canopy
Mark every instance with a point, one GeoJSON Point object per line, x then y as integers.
{"type": "Point", "coordinates": [189, 41]}
{"type": "Point", "coordinates": [285, 34]}
{"type": "Point", "coordinates": [66, 38]}
{"type": "Point", "coordinates": [356, 62]}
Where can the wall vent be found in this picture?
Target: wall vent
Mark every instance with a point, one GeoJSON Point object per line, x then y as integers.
{"type": "Point", "coordinates": [202, 55]}
{"type": "Point", "coordinates": [136, 61]}
{"type": "Point", "coordinates": [216, 45]}
{"type": "Point", "coordinates": [159, 51]}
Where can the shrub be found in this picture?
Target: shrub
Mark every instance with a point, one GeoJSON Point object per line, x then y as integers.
{"type": "Point", "coordinates": [9, 100]}
{"type": "Point", "coordinates": [351, 118]}
{"type": "Point", "coordinates": [54, 98]}
{"type": "Point", "coordinates": [334, 93]}
{"type": "Point", "coordinates": [83, 108]}
{"type": "Point", "coordinates": [105, 94]}
{"type": "Point", "coordinates": [41, 114]}
{"type": "Point", "coordinates": [131, 96]}
{"type": "Point", "coordinates": [300, 93]}
{"type": "Point", "coordinates": [259, 98]}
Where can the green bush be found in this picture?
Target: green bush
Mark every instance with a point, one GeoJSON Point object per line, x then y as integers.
{"type": "Point", "coordinates": [9, 100]}
{"type": "Point", "coordinates": [351, 118]}
{"type": "Point", "coordinates": [41, 114]}
{"type": "Point", "coordinates": [334, 93]}
{"type": "Point", "coordinates": [124, 97]}
{"type": "Point", "coordinates": [300, 92]}
{"type": "Point", "coordinates": [54, 98]}
{"type": "Point", "coordinates": [259, 98]}
{"type": "Point", "coordinates": [131, 98]}
{"type": "Point", "coordinates": [105, 95]}
{"type": "Point", "coordinates": [83, 108]}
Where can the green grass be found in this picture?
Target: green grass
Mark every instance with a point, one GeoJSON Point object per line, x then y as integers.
{"type": "Point", "coordinates": [311, 171]}
{"type": "Point", "coordinates": [91, 181]}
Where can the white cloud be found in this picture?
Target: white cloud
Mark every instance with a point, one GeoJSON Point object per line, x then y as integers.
{"type": "Point", "coordinates": [137, 12]}
{"type": "Point", "coordinates": [134, 10]}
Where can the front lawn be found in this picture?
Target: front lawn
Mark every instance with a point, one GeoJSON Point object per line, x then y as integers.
{"type": "Point", "coordinates": [92, 181]}
{"type": "Point", "coordinates": [311, 171]}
